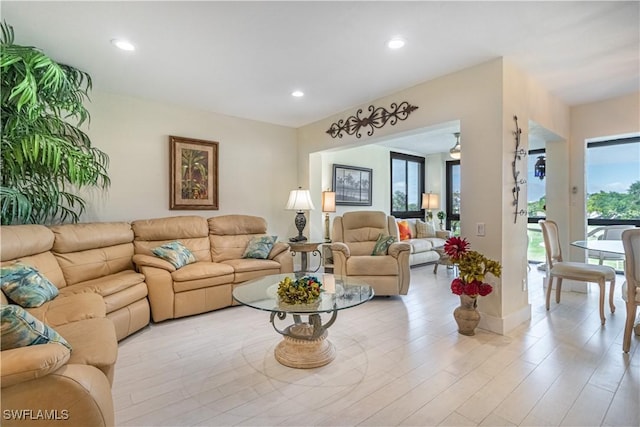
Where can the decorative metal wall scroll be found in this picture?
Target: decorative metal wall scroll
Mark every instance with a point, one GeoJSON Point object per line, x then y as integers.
{"type": "Point", "coordinates": [519, 153]}
{"type": "Point", "coordinates": [378, 118]}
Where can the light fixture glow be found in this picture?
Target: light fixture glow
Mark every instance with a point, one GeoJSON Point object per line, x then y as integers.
{"type": "Point", "coordinates": [396, 43]}
{"type": "Point", "coordinates": [455, 151]}
{"type": "Point", "coordinates": [297, 93]}
{"type": "Point", "coordinates": [123, 44]}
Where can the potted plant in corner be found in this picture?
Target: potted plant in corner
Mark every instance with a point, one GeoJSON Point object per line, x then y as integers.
{"type": "Point", "coordinates": [43, 155]}
{"type": "Point", "coordinates": [470, 283]}
{"type": "Point", "coordinates": [441, 216]}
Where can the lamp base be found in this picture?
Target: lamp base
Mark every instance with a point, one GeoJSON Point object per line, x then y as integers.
{"type": "Point", "coordinates": [300, 222]}
{"type": "Point", "coordinates": [297, 239]}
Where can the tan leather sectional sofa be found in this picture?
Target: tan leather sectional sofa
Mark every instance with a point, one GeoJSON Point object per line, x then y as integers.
{"type": "Point", "coordinates": [218, 244]}
{"type": "Point", "coordinates": [109, 284]}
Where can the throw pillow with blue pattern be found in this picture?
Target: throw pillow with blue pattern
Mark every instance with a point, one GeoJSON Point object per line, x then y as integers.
{"type": "Point", "coordinates": [382, 244]}
{"type": "Point", "coordinates": [176, 253]}
{"type": "Point", "coordinates": [20, 329]}
{"type": "Point", "coordinates": [25, 286]}
{"type": "Point", "coordinates": [259, 247]}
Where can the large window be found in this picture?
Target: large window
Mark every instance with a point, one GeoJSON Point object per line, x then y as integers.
{"type": "Point", "coordinates": [613, 182]}
{"type": "Point", "coordinates": [453, 196]}
{"type": "Point", "coordinates": [407, 185]}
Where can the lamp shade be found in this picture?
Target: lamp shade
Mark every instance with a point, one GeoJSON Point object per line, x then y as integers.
{"type": "Point", "coordinates": [300, 200]}
{"type": "Point", "coordinates": [328, 201]}
{"type": "Point", "coordinates": [430, 201]}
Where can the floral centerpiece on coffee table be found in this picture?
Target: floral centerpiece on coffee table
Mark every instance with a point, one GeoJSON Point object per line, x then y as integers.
{"type": "Point", "coordinates": [304, 290]}
{"type": "Point", "coordinates": [470, 283]}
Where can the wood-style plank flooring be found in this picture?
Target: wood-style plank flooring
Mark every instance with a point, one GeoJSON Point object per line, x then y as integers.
{"type": "Point", "coordinates": [400, 362]}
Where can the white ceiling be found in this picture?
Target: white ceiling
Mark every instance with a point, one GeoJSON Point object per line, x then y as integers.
{"type": "Point", "coordinates": [245, 58]}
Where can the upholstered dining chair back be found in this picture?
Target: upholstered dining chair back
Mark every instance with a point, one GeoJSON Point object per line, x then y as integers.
{"type": "Point", "coordinates": [551, 241]}
{"type": "Point", "coordinates": [631, 288]}
{"type": "Point", "coordinates": [609, 232]}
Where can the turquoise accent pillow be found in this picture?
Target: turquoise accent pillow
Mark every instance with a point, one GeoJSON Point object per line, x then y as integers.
{"type": "Point", "coordinates": [176, 253]}
{"type": "Point", "coordinates": [25, 286]}
{"type": "Point", "coordinates": [259, 247]}
{"type": "Point", "coordinates": [382, 244]}
{"type": "Point", "coordinates": [20, 329]}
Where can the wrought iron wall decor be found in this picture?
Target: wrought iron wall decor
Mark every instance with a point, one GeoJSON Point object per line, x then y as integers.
{"type": "Point", "coordinates": [519, 153]}
{"type": "Point", "coordinates": [378, 118]}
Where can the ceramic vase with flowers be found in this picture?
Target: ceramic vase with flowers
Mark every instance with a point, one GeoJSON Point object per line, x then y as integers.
{"type": "Point", "coordinates": [470, 283]}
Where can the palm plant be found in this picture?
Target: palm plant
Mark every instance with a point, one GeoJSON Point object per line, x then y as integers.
{"type": "Point", "coordinates": [43, 156]}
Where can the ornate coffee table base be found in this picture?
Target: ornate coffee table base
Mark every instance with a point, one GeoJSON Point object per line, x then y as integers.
{"type": "Point", "coordinates": [304, 345]}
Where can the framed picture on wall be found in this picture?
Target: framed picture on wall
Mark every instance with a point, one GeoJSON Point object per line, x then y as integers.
{"type": "Point", "coordinates": [193, 174]}
{"type": "Point", "coordinates": [352, 185]}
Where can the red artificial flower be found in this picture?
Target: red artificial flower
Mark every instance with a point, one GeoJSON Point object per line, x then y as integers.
{"type": "Point", "coordinates": [472, 288]}
{"type": "Point", "coordinates": [455, 247]}
{"type": "Point", "coordinates": [457, 286]}
{"type": "Point", "coordinates": [484, 289]}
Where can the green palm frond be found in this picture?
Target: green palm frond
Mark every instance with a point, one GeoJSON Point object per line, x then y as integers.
{"type": "Point", "coordinates": [42, 152]}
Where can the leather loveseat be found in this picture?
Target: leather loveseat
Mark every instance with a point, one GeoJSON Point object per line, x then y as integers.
{"type": "Point", "coordinates": [218, 244]}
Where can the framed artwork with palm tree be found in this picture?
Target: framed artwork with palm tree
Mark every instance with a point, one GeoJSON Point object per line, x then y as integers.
{"type": "Point", "coordinates": [193, 176]}
{"type": "Point", "coordinates": [352, 185]}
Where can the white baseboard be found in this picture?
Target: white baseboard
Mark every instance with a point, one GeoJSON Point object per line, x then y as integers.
{"type": "Point", "coordinates": [505, 324]}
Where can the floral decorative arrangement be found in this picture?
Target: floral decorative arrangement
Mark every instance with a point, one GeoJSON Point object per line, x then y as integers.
{"type": "Point", "coordinates": [473, 267]}
{"type": "Point", "coordinates": [304, 290]}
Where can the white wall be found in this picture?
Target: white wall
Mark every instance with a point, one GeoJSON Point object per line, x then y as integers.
{"type": "Point", "coordinates": [257, 161]}
{"type": "Point", "coordinates": [484, 101]}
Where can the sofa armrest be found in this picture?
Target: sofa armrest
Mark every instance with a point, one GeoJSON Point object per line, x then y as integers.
{"type": "Point", "coordinates": [443, 234]}
{"type": "Point", "coordinates": [79, 395]}
{"type": "Point", "coordinates": [31, 362]}
{"type": "Point", "coordinates": [152, 261]}
{"type": "Point", "coordinates": [396, 249]}
{"type": "Point", "coordinates": [277, 249]}
{"type": "Point", "coordinates": [160, 292]}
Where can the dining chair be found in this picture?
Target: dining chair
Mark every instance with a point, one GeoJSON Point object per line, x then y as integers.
{"type": "Point", "coordinates": [609, 232]}
{"type": "Point", "coordinates": [631, 288]}
{"type": "Point", "coordinates": [559, 269]}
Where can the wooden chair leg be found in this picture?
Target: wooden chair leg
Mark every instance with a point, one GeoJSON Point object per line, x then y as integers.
{"type": "Point", "coordinates": [549, 286]}
{"type": "Point", "coordinates": [602, 286]}
{"type": "Point", "coordinates": [558, 288]}
{"type": "Point", "coordinates": [628, 326]}
{"type": "Point", "coordinates": [612, 287]}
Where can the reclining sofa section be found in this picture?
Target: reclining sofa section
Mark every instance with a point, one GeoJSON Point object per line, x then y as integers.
{"type": "Point", "coordinates": [218, 245]}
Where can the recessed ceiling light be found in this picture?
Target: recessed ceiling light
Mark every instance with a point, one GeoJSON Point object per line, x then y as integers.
{"type": "Point", "coordinates": [123, 44]}
{"type": "Point", "coordinates": [396, 43]}
{"type": "Point", "coordinates": [297, 93]}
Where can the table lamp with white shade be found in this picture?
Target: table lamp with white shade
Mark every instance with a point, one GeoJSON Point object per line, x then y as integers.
{"type": "Point", "coordinates": [430, 201]}
{"type": "Point", "coordinates": [328, 205]}
{"type": "Point", "coordinates": [300, 201]}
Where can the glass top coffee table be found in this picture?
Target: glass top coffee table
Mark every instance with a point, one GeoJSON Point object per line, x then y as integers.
{"type": "Point", "coordinates": [304, 344]}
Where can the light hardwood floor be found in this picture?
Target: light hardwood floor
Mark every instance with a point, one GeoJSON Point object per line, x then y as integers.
{"type": "Point", "coordinates": [400, 362]}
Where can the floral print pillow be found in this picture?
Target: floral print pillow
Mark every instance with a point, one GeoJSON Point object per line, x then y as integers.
{"type": "Point", "coordinates": [25, 286]}
{"type": "Point", "coordinates": [176, 253]}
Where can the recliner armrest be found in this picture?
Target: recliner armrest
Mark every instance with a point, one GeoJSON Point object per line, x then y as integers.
{"type": "Point", "coordinates": [277, 249]}
{"type": "Point", "coordinates": [341, 247]}
{"type": "Point", "coordinates": [443, 234]}
{"type": "Point", "coordinates": [395, 249]}
{"type": "Point", "coordinates": [151, 261]}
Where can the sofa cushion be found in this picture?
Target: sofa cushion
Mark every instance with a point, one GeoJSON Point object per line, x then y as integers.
{"type": "Point", "coordinates": [382, 244]}
{"type": "Point", "coordinates": [70, 308]}
{"type": "Point", "coordinates": [259, 247]}
{"type": "Point", "coordinates": [202, 270]}
{"type": "Point", "coordinates": [23, 240]}
{"type": "Point", "coordinates": [425, 229]}
{"type": "Point", "coordinates": [107, 285]}
{"type": "Point", "coordinates": [252, 264]}
{"type": "Point", "coordinates": [25, 285]}
{"type": "Point", "coordinates": [176, 253]}
{"type": "Point", "coordinates": [420, 245]}
{"type": "Point", "coordinates": [21, 329]}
